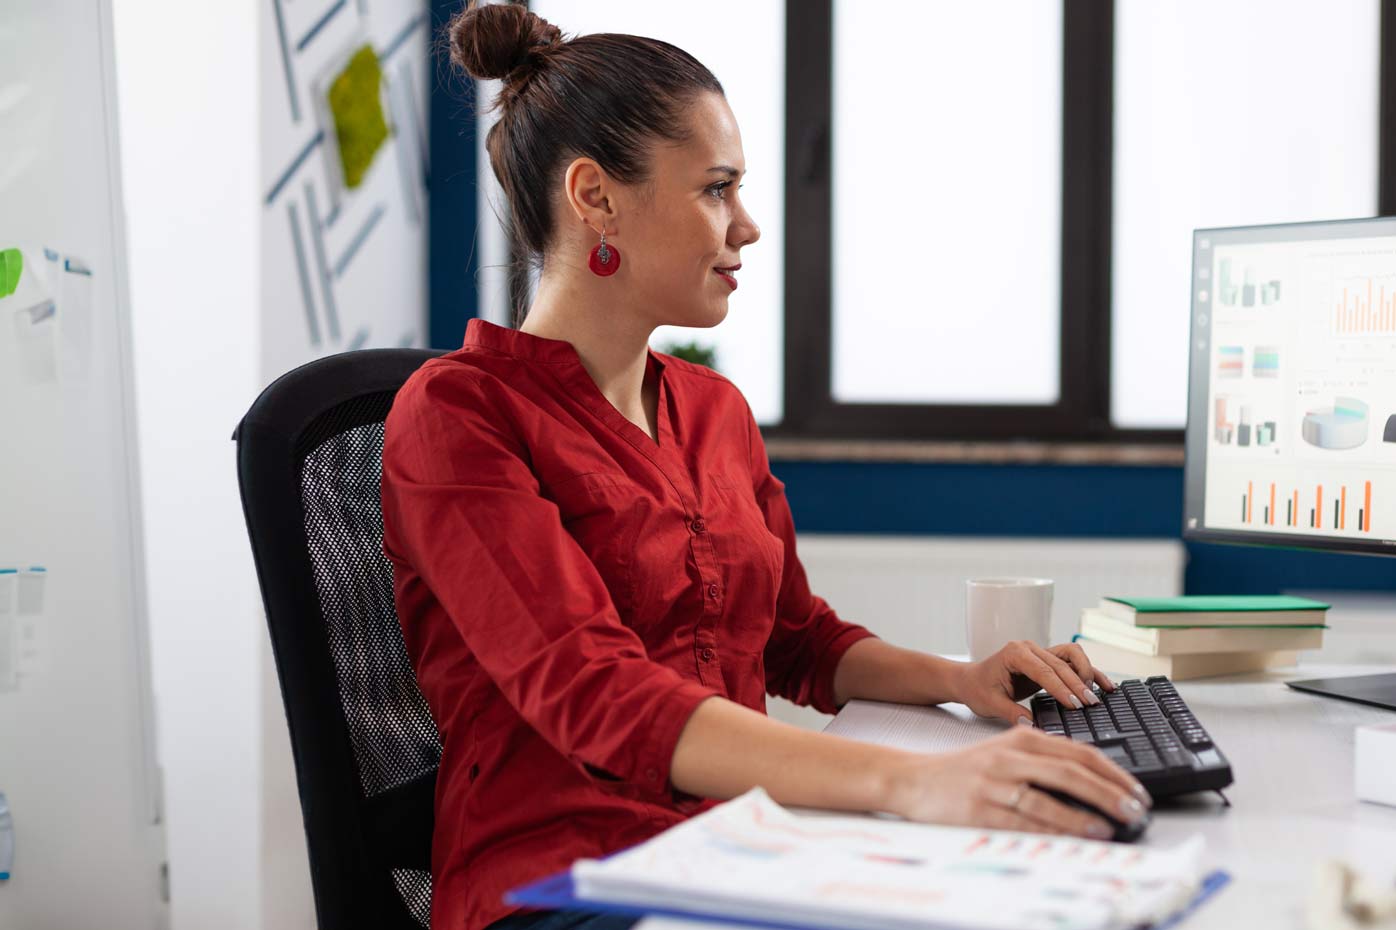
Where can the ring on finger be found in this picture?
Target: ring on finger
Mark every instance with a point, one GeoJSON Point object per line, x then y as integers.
{"type": "Point", "coordinates": [1017, 796]}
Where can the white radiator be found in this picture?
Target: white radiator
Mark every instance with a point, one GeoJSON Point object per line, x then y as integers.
{"type": "Point", "coordinates": [911, 590]}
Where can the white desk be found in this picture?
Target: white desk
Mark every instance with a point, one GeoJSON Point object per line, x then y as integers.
{"type": "Point", "coordinates": [1292, 801]}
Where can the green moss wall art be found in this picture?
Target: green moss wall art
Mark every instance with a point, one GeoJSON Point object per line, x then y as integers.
{"type": "Point", "coordinates": [356, 105]}
{"type": "Point", "coordinates": [11, 264]}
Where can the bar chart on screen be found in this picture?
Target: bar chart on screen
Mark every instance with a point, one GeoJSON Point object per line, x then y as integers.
{"type": "Point", "coordinates": [1292, 506]}
{"type": "Point", "coordinates": [1365, 306]}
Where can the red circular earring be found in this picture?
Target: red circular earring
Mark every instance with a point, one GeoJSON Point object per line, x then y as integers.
{"type": "Point", "coordinates": [604, 259]}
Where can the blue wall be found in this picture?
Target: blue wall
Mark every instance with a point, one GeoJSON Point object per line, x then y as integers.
{"type": "Point", "coordinates": [1053, 501]}
{"type": "Point", "coordinates": [451, 254]}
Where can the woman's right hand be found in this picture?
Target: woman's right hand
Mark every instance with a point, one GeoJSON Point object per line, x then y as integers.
{"type": "Point", "coordinates": [997, 784]}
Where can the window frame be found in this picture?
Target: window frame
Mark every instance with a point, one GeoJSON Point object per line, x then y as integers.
{"type": "Point", "coordinates": [1082, 411]}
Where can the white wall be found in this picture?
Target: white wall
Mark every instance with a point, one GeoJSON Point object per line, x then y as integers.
{"type": "Point", "coordinates": [220, 309]}
{"type": "Point", "coordinates": [910, 590]}
{"type": "Point", "coordinates": [193, 189]}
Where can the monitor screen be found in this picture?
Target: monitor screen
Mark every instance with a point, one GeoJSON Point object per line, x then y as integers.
{"type": "Point", "coordinates": [1291, 432]}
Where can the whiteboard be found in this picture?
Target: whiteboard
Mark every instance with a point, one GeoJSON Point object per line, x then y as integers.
{"type": "Point", "coordinates": [77, 759]}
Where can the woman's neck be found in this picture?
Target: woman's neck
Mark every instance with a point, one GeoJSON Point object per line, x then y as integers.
{"type": "Point", "coordinates": [611, 342]}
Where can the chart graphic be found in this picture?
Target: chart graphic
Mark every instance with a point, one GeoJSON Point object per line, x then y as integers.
{"type": "Point", "coordinates": [1231, 361]}
{"type": "Point", "coordinates": [1342, 426]}
{"type": "Point", "coordinates": [1267, 362]}
{"type": "Point", "coordinates": [1248, 293]}
{"type": "Point", "coordinates": [1245, 430]}
{"type": "Point", "coordinates": [1365, 306]}
{"type": "Point", "coordinates": [1288, 510]}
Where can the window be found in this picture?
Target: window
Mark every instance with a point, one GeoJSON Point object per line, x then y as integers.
{"type": "Point", "coordinates": [977, 217]}
{"type": "Point", "coordinates": [947, 204]}
{"type": "Point", "coordinates": [1227, 113]}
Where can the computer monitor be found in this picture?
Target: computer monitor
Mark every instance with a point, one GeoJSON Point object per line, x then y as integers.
{"type": "Point", "coordinates": [1291, 431]}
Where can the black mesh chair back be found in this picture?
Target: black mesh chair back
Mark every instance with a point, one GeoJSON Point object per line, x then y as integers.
{"type": "Point", "coordinates": [309, 458]}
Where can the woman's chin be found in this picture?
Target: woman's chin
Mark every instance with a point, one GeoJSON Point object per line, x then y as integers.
{"type": "Point", "coordinates": [704, 317]}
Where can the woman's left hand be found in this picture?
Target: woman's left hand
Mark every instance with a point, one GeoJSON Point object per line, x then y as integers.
{"type": "Point", "coordinates": [992, 687]}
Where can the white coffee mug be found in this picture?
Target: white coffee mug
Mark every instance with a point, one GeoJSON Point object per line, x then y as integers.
{"type": "Point", "coordinates": [1000, 610]}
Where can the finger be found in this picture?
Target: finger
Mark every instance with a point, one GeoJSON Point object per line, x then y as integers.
{"type": "Point", "coordinates": [1044, 744]}
{"type": "Point", "coordinates": [1078, 780]}
{"type": "Point", "coordinates": [1025, 660]}
{"type": "Point", "coordinates": [1081, 664]}
{"type": "Point", "coordinates": [1003, 707]}
{"type": "Point", "coordinates": [997, 817]}
{"type": "Point", "coordinates": [1103, 679]}
{"type": "Point", "coordinates": [1067, 674]}
{"type": "Point", "coordinates": [1060, 818]}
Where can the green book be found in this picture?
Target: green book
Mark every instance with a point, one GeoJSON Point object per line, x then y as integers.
{"type": "Point", "coordinates": [1216, 610]}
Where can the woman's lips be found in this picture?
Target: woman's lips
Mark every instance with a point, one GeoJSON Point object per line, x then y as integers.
{"type": "Point", "coordinates": [726, 274]}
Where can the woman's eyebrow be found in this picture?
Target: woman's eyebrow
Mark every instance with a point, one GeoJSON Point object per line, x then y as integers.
{"type": "Point", "coordinates": [725, 169]}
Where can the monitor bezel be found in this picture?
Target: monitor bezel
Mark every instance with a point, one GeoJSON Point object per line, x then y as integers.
{"type": "Point", "coordinates": [1199, 370]}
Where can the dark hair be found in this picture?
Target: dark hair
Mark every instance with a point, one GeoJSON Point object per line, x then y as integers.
{"type": "Point", "coordinates": [604, 96]}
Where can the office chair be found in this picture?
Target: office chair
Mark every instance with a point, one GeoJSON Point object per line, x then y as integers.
{"type": "Point", "coordinates": [309, 456]}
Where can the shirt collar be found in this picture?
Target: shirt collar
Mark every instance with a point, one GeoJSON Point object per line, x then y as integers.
{"type": "Point", "coordinates": [483, 333]}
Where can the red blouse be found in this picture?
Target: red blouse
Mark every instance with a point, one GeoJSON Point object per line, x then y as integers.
{"type": "Point", "coordinates": [570, 590]}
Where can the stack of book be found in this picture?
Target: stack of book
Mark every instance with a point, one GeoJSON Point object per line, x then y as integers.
{"type": "Point", "coordinates": [1193, 637]}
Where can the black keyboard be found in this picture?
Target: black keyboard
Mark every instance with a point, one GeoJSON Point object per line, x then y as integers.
{"type": "Point", "coordinates": [1148, 730]}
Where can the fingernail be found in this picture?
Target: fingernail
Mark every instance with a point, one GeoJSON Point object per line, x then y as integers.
{"type": "Point", "coordinates": [1025, 721]}
{"type": "Point", "coordinates": [1075, 702]}
{"type": "Point", "coordinates": [1091, 698]}
{"type": "Point", "coordinates": [1097, 830]}
{"type": "Point", "coordinates": [1132, 809]}
{"type": "Point", "coordinates": [1142, 795]}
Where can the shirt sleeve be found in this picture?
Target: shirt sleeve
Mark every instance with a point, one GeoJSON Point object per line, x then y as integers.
{"type": "Point", "coordinates": [463, 508]}
{"type": "Point", "coordinates": [808, 639]}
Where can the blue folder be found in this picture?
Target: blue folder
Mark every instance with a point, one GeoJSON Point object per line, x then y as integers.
{"type": "Point", "coordinates": [556, 892]}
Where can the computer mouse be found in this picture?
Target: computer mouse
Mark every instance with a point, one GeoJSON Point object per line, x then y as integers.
{"type": "Point", "coordinates": [1124, 832]}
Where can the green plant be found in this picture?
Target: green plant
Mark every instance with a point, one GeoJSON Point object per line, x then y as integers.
{"type": "Point", "coordinates": [357, 107]}
{"type": "Point", "coordinates": [694, 352]}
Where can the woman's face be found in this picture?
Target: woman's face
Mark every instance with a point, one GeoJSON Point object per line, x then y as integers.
{"type": "Point", "coordinates": [682, 232]}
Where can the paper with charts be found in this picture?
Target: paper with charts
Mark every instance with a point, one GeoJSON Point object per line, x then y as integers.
{"type": "Point", "coordinates": [752, 858]}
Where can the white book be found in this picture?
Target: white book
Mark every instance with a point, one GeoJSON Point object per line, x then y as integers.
{"type": "Point", "coordinates": [752, 859]}
{"type": "Point", "coordinates": [1114, 660]}
{"type": "Point", "coordinates": [1099, 626]}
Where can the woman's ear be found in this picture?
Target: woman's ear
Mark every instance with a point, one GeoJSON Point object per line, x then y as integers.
{"type": "Point", "coordinates": [590, 195]}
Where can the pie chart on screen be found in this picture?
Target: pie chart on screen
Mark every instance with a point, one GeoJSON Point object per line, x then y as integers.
{"type": "Point", "coordinates": [1341, 426]}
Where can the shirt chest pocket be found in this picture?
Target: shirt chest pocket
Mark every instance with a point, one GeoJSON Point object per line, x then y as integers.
{"type": "Point", "coordinates": [603, 513]}
{"type": "Point", "coordinates": [740, 529]}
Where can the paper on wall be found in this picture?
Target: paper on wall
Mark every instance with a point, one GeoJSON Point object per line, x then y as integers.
{"type": "Point", "coordinates": [7, 629]}
{"type": "Point", "coordinates": [32, 309]}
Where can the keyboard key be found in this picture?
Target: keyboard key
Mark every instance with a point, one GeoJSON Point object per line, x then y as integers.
{"type": "Point", "coordinates": [1117, 755]}
{"type": "Point", "coordinates": [1150, 766]}
{"type": "Point", "coordinates": [1109, 737]}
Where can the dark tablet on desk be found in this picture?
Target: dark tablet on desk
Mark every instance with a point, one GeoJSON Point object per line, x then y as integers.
{"type": "Point", "coordinates": [1376, 690]}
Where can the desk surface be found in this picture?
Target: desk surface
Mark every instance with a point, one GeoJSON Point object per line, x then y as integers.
{"type": "Point", "coordinates": [1292, 801]}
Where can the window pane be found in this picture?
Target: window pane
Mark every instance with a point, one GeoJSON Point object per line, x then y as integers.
{"type": "Point", "coordinates": [947, 202]}
{"type": "Point", "coordinates": [1227, 113]}
{"type": "Point", "coordinates": [743, 43]}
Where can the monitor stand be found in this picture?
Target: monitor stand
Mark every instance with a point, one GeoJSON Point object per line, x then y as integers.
{"type": "Point", "coordinates": [1376, 690]}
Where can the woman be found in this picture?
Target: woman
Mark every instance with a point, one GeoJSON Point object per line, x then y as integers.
{"type": "Point", "coordinates": [595, 568]}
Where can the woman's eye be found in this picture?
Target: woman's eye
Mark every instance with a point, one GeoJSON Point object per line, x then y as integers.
{"type": "Point", "coordinates": [719, 190]}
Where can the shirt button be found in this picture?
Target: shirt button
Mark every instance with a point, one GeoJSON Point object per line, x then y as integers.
{"type": "Point", "coordinates": [712, 590]}
{"type": "Point", "coordinates": [707, 655]}
{"type": "Point", "coordinates": [652, 774]}
{"type": "Point", "coordinates": [699, 526]}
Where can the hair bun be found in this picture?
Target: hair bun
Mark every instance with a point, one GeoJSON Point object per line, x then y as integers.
{"type": "Point", "coordinates": [493, 40]}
